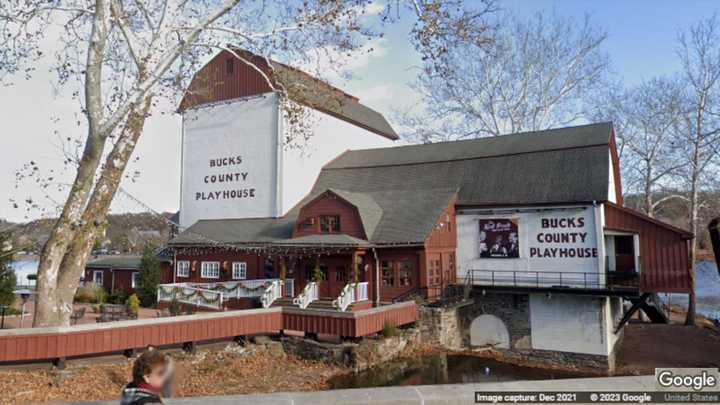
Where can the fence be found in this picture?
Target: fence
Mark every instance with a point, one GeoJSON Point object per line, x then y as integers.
{"type": "Point", "coordinates": [32, 344]}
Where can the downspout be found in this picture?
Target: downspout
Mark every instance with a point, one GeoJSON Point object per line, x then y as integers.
{"type": "Point", "coordinates": [173, 267]}
{"type": "Point", "coordinates": [377, 278]}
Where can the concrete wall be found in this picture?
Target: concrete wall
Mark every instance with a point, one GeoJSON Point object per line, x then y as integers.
{"type": "Point", "coordinates": [569, 323]}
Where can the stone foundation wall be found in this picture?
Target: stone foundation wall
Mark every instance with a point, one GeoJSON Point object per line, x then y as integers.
{"type": "Point", "coordinates": [450, 328]}
{"type": "Point", "coordinates": [512, 309]}
{"type": "Point", "coordinates": [359, 356]}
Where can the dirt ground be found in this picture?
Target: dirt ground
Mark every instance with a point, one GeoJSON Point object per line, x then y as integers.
{"type": "Point", "coordinates": [233, 370]}
{"type": "Point", "coordinates": [647, 346]}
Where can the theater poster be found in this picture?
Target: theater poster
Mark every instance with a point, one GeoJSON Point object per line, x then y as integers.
{"type": "Point", "coordinates": [498, 238]}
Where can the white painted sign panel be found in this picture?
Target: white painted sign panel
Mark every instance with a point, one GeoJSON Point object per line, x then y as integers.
{"type": "Point", "coordinates": [231, 163]}
{"type": "Point", "coordinates": [531, 247]}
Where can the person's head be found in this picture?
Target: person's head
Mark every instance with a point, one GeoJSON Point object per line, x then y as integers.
{"type": "Point", "coordinates": [151, 368]}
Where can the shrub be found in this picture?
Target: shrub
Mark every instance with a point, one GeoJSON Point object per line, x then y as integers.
{"type": "Point", "coordinates": [390, 330]}
{"type": "Point", "coordinates": [119, 297]}
{"type": "Point", "coordinates": [133, 304]}
{"type": "Point", "coordinates": [91, 292]}
{"type": "Point", "coordinates": [149, 278]}
{"type": "Point", "coordinates": [8, 281]}
{"type": "Point", "coordinates": [174, 307]}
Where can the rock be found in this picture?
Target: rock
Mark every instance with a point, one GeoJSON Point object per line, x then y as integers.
{"type": "Point", "coordinates": [261, 339]}
{"type": "Point", "coordinates": [59, 377]}
{"type": "Point", "coordinates": [275, 349]}
{"type": "Point", "coordinates": [524, 343]}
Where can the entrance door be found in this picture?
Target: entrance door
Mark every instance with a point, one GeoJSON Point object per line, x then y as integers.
{"type": "Point", "coordinates": [338, 279]}
{"type": "Point", "coordinates": [324, 284]}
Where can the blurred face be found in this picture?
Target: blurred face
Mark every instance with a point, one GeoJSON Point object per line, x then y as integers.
{"type": "Point", "coordinates": [483, 236]}
{"type": "Point", "coordinates": [157, 377]}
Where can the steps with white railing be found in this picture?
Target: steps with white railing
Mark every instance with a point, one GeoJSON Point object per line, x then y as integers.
{"type": "Point", "coordinates": [350, 294]}
{"type": "Point", "coordinates": [310, 293]}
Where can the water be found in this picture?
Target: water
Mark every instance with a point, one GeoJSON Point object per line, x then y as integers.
{"type": "Point", "coordinates": [707, 291]}
{"type": "Point", "coordinates": [22, 269]}
{"type": "Point", "coordinates": [444, 369]}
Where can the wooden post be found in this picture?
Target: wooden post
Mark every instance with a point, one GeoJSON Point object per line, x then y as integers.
{"type": "Point", "coordinates": [59, 363]}
{"type": "Point", "coordinates": [241, 340]}
{"type": "Point", "coordinates": [714, 229]}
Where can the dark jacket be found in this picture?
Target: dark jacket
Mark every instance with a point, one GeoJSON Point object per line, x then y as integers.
{"type": "Point", "coordinates": [132, 395]}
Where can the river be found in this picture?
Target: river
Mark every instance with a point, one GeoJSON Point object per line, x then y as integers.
{"type": "Point", "coordinates": [444, 369]}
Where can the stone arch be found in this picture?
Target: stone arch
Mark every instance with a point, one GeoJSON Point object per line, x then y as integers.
{"type": "Point", "coordinates": [489, 330]}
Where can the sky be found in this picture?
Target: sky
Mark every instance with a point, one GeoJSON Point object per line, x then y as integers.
{"type": "Point", "coordinates": [641, 44]}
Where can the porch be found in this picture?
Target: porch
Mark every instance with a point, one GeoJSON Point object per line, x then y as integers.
{"type": "Point", "coordinates": [263, 293]}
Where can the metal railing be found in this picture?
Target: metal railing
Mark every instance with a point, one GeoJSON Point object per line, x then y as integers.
{"type": "Point", "coordinates": [309, 294]}
{"type": "Point", "coordinates": [537, 279]}
{"type": "Point", "coordinates": [351, 293]}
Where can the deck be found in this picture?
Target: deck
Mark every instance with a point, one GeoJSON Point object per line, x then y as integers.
{"type": "Point", "coordinates": [37, 344]}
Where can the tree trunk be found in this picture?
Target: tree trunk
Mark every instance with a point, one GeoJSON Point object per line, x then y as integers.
{"type": "Point", "coordinates": [92, 224]}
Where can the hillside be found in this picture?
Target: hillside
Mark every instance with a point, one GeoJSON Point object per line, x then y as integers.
{"type": "Point", "coordinates": [126, 233]}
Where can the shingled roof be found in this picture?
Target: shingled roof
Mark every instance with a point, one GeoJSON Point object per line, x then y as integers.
{"type": "Point", "coordinates": [400, 192]}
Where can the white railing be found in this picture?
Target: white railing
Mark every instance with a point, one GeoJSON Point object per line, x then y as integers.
{"type": "Point", "coordinates": [239, 288]}
{"type": "Point", "coordinates": [352, 292]}
{"type": "Point", "coordinates": [272, 292]}
{"type": "Point", "coordinates": [309, 294]}
{"type": "Point", "coordinates": [363, 293]}
{"type": "Point", "coordinates": [188, 294]}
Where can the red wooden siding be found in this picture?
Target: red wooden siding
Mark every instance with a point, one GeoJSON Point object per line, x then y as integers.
{"type": "Point", "coordinates": [50, 343]}
{"type": "Point", "coordinates": [255, 266]}
{"type": "Point", "coordinates": [122, 277]}
{"type": "Point", "coordinates": [213, 83]}
{"type": "Point", "coordinates": [330, 204]}
{"type": "Point", "coordinates": [665, 263]}
{"type": "Point", "coordinates": [439, 257]}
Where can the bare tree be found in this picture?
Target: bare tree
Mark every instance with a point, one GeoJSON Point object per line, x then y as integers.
{"type": "Point", "coordinates": [699, 129]}
{"type": "Point", "coordinates": [646, 117]}
{"type": "Point", "coordinates": [533, 76]}
{"type": "Point", "coordinates": [123, 57]}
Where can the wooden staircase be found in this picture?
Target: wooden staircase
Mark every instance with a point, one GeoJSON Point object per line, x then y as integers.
{"type": "Point", "coordinates": [323, 304]}
{"type": "Point", "coordinates": [284, 302]}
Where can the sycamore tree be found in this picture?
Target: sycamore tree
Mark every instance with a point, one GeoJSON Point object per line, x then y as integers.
{"type": "Point", "coordinates": [645, 119]}
{"type": "Point", "coordinates": [122, 58]}
{"type": "Point", "coordinates": [534, 75]}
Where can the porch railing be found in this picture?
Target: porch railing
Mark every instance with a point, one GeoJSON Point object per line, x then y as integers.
{"type": "Point", "coordinates": [272, 292]}
{"type": "Point", "coordinates": [352, 292]}
{"type": "Point", "coordinates": [187, 294]}
{"type": "Point", "coordinates": [309, 294]}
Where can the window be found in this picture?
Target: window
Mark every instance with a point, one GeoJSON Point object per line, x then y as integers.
{"type": "Point", "coordinates": [183, 268]}
{"type": "Point", "coordinates": [239, 271]}
{"type": "Point", "coordinates": [98, 277]}
{"type": "Point", "coordinates": [306, 223]}
{"type": "Point", "coordinates": [210, 270]}
{"type": "Point", "coordinates": [330, 223]}
{"type": "Point", "coordinates": [135, 280]}
{"type": "Point", "coordinates": [388, 273]}
{"type": "Point", "coordinates": [406, 270]}
{"type": "Point", "coordinates": [229, 66]}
